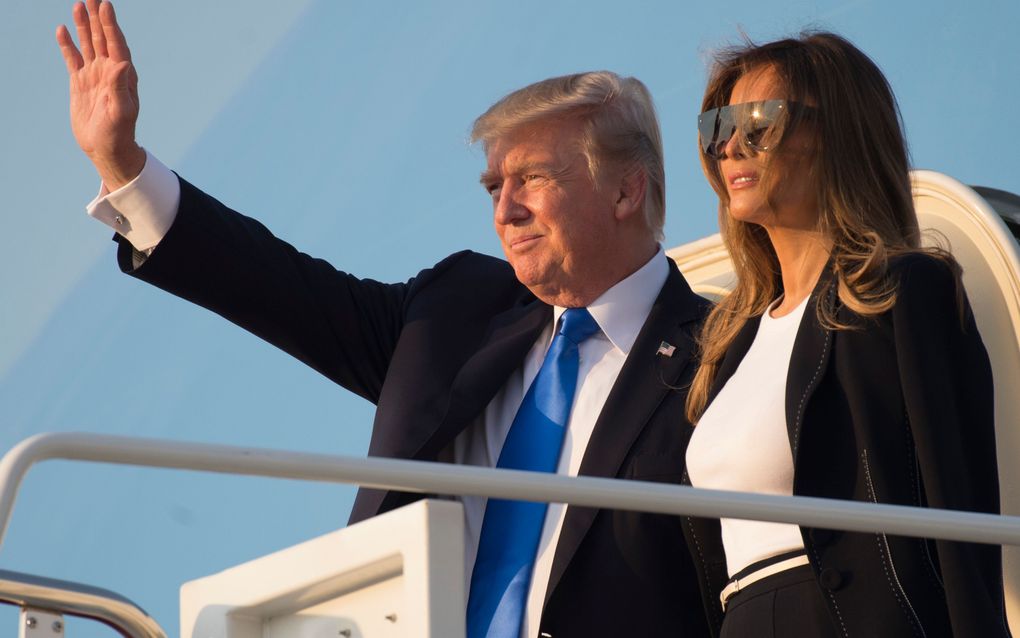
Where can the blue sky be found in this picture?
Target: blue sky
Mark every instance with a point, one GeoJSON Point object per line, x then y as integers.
{"type": "Point", "coordinates": [343, 126]}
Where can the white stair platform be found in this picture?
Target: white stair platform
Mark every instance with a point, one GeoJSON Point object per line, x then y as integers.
{"type": "Point", "coordinates": [396, 575]}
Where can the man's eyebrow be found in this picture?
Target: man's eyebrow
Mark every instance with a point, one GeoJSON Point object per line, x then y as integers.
{"type": "Point", "coordinates": [547, 168]}
{"type": "Point", "coordinates": [487, 177]}
{"type": "Point", "coordinates": [524, 168]}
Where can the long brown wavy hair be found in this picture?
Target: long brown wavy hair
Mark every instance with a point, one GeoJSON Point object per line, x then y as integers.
{"type": "Point", "coordinates": [861, 177]}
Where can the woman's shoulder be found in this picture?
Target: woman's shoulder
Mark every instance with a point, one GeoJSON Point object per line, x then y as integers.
{"type": "Point", "coordinates": [926, 281]}
{"type": "Point", "coordinates": [917, 280]}
{"type": "Point", "coordinates": [915, 271]}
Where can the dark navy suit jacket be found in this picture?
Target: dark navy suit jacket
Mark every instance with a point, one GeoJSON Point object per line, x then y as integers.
{"type": "Point", "coordinates": [431, 353]}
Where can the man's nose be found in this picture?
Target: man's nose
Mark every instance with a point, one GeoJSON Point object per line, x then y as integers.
{"type": "Point", "coordinates": [508, 207]}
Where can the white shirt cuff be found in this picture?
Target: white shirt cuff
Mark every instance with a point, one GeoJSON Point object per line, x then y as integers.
{"type": "Point", "coordinates": [142, 210]}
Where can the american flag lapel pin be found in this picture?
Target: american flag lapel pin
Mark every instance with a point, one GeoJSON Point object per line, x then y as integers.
{"type": "Point", "coordinates": [666, 349]}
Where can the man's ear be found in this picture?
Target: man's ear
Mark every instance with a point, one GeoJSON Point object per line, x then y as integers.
{"type": "Point", "coordinates": [630, 197]}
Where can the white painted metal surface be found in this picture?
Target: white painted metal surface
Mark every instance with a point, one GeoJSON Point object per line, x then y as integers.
{"type": "Point", "coordinates": [34, 593]}
{"type": "Point", "coordinates": [442, 478]}
{"type": "Point", "coordinates": [706, 265]}
{"type": "Point", "coordinates": [40, 623]}
{"type": "Point", "coordinates": [395, 575]}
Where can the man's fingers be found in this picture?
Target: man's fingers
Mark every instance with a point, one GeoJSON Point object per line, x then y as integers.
{"type": "Point", "coordinates": [115, 41]}
{"type": "Point", "coordinates": [72, 58]}
{"type": "Point", "coordinates": [96, 27]}
{"type": "Point", "coordinates": [81, 25]}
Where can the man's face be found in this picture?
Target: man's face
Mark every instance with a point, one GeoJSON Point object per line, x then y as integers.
{"type": "Point", "coordinates": [555, 223]}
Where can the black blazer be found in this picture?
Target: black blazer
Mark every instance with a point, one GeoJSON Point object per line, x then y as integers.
{"type": "Point", "coordinates": [431, 353]}
{"type": "Point", "coordinates": [897, 410]}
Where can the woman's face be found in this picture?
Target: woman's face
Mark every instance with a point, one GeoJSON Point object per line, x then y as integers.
{"type": "Point", "coordinates": [793, 195]}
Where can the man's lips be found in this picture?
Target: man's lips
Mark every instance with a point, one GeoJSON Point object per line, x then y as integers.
{"type": "Point", "coordinates": [518, 243]}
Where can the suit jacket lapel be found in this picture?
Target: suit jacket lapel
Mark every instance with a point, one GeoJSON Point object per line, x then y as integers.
{"type": "Point", "coordinates": [507, 340]}
{"type": "Point", "coordinates": [505, 343]}
{"type": "Point", "coordinates": [644, 381]}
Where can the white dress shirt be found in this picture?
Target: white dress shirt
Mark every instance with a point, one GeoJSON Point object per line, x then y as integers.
{"type": "Point", "coordinates": [144, 209]}
{"type": "Point", "coordinates": [620, 313]}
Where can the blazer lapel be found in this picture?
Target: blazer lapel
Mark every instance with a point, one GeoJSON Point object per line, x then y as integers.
{"type": "Point", "coordinates": [808, 360]}
{"type": "Point", "coordinates": [734, 355]}
{"type": "Point", "coordinates": [731, 360]}
{"type": "Point", "coordinates": [809, 357]}
{"type": "Point", "coordinates": [644, 381]}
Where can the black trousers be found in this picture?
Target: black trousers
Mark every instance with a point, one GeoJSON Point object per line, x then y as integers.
{"type": "Point", "coordinates": [785, 605]}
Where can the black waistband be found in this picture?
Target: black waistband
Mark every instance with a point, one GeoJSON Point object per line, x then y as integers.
{"type": "Point", "coordinates": [765, 562]}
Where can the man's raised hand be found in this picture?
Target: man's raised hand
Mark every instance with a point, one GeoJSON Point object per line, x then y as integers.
{"type": "Point", "coordinates": [104, 92]}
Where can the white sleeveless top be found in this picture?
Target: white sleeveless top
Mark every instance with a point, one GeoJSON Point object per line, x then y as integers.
{"type": "Point", "coordinates": [741, 442]}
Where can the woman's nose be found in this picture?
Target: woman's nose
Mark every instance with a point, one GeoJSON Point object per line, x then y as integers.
{"type": "Point", "coordinates": [733, 149]}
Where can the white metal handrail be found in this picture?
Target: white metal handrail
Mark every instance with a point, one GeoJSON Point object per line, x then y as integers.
{"type": "Point", "coordinates": [29, 591]}
{"type": "Point", "coordinates": [443, 478]}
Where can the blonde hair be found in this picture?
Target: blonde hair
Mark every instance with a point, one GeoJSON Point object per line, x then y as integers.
{"type": "Point", "coordinates": [861, 176]}
{"type": "Point", "coordinates": [620, 126]}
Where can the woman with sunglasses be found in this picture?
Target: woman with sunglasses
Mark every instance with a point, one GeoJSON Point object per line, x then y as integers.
{"type": "Point", "coordinates": [845, 363]}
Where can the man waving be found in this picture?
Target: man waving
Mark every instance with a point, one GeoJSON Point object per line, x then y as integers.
{"type": "Point", "coordinates": [548, 361]}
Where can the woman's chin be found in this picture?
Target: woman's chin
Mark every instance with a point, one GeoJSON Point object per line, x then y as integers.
{"type": "Point", "coordinates": [748, 215]}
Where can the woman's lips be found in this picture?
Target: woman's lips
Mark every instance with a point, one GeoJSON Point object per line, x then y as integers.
{"type": "Point", "coordinates": [738, 181]}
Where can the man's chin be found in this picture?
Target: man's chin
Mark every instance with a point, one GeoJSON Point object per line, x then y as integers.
{"type": "Point", "coordinates": [528, 278]}
{"type": "Point", "coordinates": [534, 279]}
{"type": "Point", "coordinates": [551, 293]}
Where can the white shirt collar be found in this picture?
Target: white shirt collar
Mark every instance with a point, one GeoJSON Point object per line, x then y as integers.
{"type": "Point", "coordinates": [622, 310]}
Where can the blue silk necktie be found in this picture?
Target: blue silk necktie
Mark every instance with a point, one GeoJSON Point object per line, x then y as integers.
{"type": "Point", "coordinates": [511, 529]}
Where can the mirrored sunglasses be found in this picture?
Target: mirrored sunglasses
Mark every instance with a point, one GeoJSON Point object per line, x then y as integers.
{"type": "Point", "coordinates": [753, 120]}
